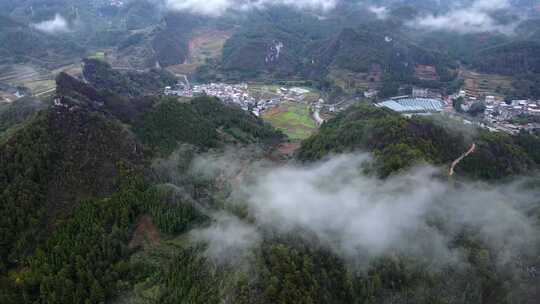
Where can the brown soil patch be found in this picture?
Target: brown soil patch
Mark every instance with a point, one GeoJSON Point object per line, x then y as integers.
{"type": "Point", "coordinates": [426, 72]}
{"type": "Point", "coordinates": [146, 234]}
{"type": "Point", "coordinates": [206, 44]}
{"type": "Point", "coordinates": [289, 148]}
{"type": "Point", "coordinates": [203, 45]}
{"type": "Point", "coordinates": [275, 111]}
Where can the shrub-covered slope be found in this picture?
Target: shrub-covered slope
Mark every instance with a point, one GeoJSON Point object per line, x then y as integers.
{"type": "Point", "coordinates": [101, 75]}
{"type": "Point", "coordinates": [204, 122]}
{"type": "Point", "coordinates": [399, 142]}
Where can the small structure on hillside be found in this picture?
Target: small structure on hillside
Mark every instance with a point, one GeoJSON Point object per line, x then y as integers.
{"type": "Point", "coordinates": [413, 105]}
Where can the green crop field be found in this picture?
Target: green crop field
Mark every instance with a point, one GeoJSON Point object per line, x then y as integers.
{"type": "Point", "coordinates": [293, 119]}
{"type": "Point", "coordinates": [98, 55]}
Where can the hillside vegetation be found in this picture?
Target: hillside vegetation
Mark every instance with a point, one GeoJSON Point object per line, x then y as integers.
{"type": "Point", "coordinates": [21, 43]}
{"type": "Point", "coordinates": [399, 143]}
{"type": "Point", "coordinates": [131, 83]}
{"type": "Point", "coordinates": [12, 114]}
{"type": "Point", "coordinates": [113, 193]}
{"type": "Point", "coordinates": [73, 189]}
{"type": "Point", "coordinates": [204, 122]}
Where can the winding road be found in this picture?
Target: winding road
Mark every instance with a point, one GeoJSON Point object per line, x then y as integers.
{"type": "Point", "coordinates": [457, 161]}
{"type": "Point", "coordinates": [317, 117]}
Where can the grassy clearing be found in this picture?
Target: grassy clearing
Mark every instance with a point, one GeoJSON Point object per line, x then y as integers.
{"type": "Point", "coordinates": [293, 119]}
{"type": "Point", "coordinates": [98, 55]}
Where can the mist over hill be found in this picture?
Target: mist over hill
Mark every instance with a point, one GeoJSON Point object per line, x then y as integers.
{"type": "Point", "coordinates": [122, 181]}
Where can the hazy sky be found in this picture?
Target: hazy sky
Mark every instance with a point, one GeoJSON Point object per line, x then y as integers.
{"type": "Point", "coordinates": [218, 7]}
{"type": "Point", "coordinates": [464, 17]}
{"type": "Point", "coordinates": [473, 18]}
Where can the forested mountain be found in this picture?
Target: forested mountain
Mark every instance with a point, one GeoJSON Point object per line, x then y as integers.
{"type": "Point", "coordinates": [358, 50]}
{"type": "Point", "coordinates": [128, 83]}
{"type": "Point", "coordinates": [520, 57]}
{"type": "Point", "coordinates": [21, 43]}
{"type": "Point", "coordinates": [275, 41]}
{"type": "Point", "coordinates": [64, 155]}
{"type": "Point", "coordinates": [60, 169]}
{"type": "Point", "coordinates": [18, 112]}
{"type": "Point", "coordinates": [399, 143]}
{"type": "Point", "coordinates": [96, 210]}
{"type": "Point", "coordinates": [111, 192]}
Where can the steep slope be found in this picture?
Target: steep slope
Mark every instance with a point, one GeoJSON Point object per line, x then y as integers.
{"type": "Point", "coordinates": [358, 49]}
{"type": "Point", "coordinates": [283, 51]}
{"type": "Point", "coordinates": [130, 83]}
{"type": "Point", "coordinates": [66, 154]}
{"type": "Point", "coordinates": [73, 190]}
{"type": "Point", "coordinates": [204, 122]}
{"type": "Point", "coordinates": [519, 57]}
{"type": "Point", "coordinates": [263, 50]}
{"type": "Point", "coordinates": [170, 41]}
{"type": "Point", "coordinates": [19, 111]}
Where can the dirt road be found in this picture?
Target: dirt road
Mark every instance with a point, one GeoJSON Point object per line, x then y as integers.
{"type": "Point", "coordinates": [457, 161]}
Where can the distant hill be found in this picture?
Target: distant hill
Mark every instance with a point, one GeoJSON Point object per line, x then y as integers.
{"type": "Point", "coordinates": [170, 41]}
{"type": "Point", "coordinates": [21, 43]}
{"type": "Point", "coordinates": [280, 53]}
{"type": "Point", "coordinates": [462, 47]}
{"type": "Point", "coordinates": [263, 50]}
{"type": "Point", "coordinates": [519, 57]}
{"type": "Point", "coordinates": [357, 50]}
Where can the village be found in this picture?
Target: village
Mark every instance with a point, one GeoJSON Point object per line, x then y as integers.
{"type": "Point", "coordinates": [497, 114]}
{"type": "Point", "coordinates": [489, 112]}
{"type": "Point", "coordinates": [240, 94]}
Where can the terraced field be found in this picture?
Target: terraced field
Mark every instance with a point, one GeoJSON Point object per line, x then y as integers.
{"type": "Point", "coordinates": [40, 81]}
{"type": "Point", "coordinates": [351, 82]}
{"type": "Point", "coordinates": [485, 84]}
{"type": "Point", "coordinates": [294, 119]}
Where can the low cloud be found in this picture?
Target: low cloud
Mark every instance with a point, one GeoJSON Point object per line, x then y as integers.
{"type": "Point", "coordinates": [416, 213]}
{"type": "Point", "coordinates": [474, 18]}
{"type": "Point", "coordinates": [229, 239]}
{"type": "Point", "coordinates": [380, 11]}
{"type": "Point", "coordinates": [57, 25]}
{"type": "Point", "coordinates": [216, 8]}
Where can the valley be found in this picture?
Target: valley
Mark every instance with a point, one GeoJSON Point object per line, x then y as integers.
{"type": "Point", "coordinates": [264, 152]}
{"type": "Point", "coordinates": [294, 119]}
{"type": "Point", "coordinates": [39, 81]}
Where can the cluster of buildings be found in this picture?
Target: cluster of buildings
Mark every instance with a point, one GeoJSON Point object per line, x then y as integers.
{"type": "Point", "coordinates": [421, 101]}
{"type": "Point", "coordinates": [413, 105]}
{"type": "Point", "coordinates": [500, 115]}
{"type": "Point", "coordinates": [239, 94]}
